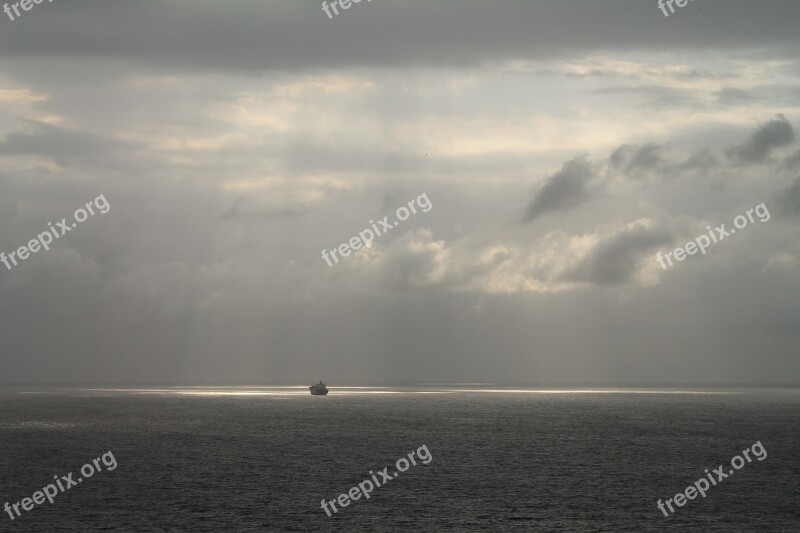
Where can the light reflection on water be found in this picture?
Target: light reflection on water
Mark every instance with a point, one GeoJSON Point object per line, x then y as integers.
{"type": "Point", "coordinates": [302, 391]}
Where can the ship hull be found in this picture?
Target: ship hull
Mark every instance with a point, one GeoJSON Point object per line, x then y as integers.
{"type": "Point", "coordinates": [319, 389]}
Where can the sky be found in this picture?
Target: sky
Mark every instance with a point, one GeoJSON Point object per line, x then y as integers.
{"type": "Point", "coordinates": [562, 145]}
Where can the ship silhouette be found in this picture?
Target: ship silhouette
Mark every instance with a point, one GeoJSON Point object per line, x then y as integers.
{"type": "Point", "coordinates": [319, 389]}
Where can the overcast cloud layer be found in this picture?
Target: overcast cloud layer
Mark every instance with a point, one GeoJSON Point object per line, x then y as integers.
{"type": "Point", "coordinates": [562, 144]}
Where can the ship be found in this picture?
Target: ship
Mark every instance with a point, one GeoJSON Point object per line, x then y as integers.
{"type": "Point", "coordinates": [319, 389]}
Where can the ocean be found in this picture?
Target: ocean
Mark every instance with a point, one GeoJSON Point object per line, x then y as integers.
{"type": "Point", "coordinates": [500, 458]}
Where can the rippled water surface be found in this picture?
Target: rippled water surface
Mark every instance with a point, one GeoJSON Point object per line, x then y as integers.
{"type": "Point", "coordinates": [262, 458]}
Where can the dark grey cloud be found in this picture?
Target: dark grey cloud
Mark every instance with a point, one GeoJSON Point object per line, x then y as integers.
{"type": "Point", "coordinates": [634, 161]}
{"type": "Point", "coordinates": [650, 159]}
{"type": "Point", "coordinates": [61, 145]}
{"type": "Point", "coordinates": [703, 161]}
{"type": "Point", "coordinates": [258, 35]}
{"type": "Point", "coordinates": [775, 95]}
{"type": "Point", "coordinates": [563, 190]}
{"type": "Point", "coordinates": [730, 97]}
{"type": "Point", "coordinates": [789, 199]}
{"type": "Point", "coordinates": [793, 161]}
{"type": "Point", "coordinates": [616, 260]}
{"type": "Point", "coordinates": [774, 134]}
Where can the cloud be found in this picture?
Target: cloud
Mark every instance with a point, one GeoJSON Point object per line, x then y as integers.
{"type": "Point", "coordinates": [562, 191]}
{"type": "Point", "coordinates": [20, 96]}
{"type": "Point", "coordinates": [616, 259]}
{"type": "Point", "coordinates": [793, 161]}
{"type": "Point", "coordinates": [611, 255]}
{"type": "Point", "coordinates": [639, 161]}
{"type": "Point", "coordinates": [774, 134]}
{"type": "Point", "coordinates": [789, 200]}
{"type": "Point", "coordinates": [657, 96]}
{"type": "Point", "coordinates": [229, 169]}
{"type": "Point", "coordinates": [260, 213]}
{"type": "Point", "coordinates": [61, 145]}
{"type": "Point", "coordinates": [300, 36]}
{"type": "Point", "coordinates": [703, 160]}
{"type": "Point", "coordinates": [412, 261]}
{"type": "Point", "coordinates": [633, 160]}
{"type": "Point", "coordinates": [781, 262]}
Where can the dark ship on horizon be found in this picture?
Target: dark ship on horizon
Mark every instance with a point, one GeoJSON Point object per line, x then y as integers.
{"type": "Point", "coordinates": [319, 389]}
